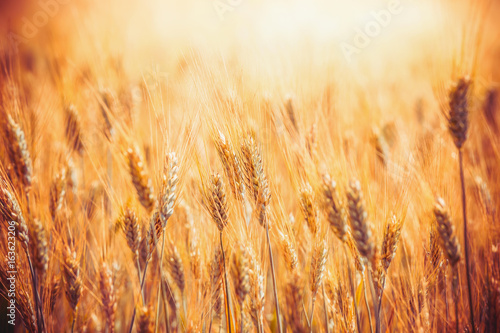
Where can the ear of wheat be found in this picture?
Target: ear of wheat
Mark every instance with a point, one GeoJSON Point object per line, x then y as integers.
{"type": "Point", "coordinates": [458, 118]}
{"type": "Point", "coordinates": [448, 239]}
{"type": "Point", "coordinates": [217, 203]}
{"type": "Point", "coordinates": [12, 215]}
{"type": "Point", "coordinates": [231, 165]}
{"type": "Point", "coordinates": [131, 229]}
{"type": "Point", "coordinates": [72, 280]}
{"type": "Point", "coordinates": [360, 226]}
{"type": "Point", "coordinates": [74, 129]}
{"type": "Point", "coordinates": [333, 208]}
{"type": "Point", "coordinates": [309, 209]}
{"type": "Point", "coordinates": [140, 179]}
{"type": "Point", "coordinates": [256, 179]}
{"type": "Point", "coordinates": [390, 242]}
{"type": "Point", "coordinates": [108, 296]}
{"type": "Point", "coordinates": [168, 190]}
{"type": "Point", "coordinates": [18, 152]}
{"type": "Point", "coordinates": [39, 246]}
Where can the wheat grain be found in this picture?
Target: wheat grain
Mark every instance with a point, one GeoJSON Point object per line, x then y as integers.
{"type": "Point", "coordinates": [309, 208]}
{"type": "Point", "coordinates": [140, 179]}
{"type": "Point", "coordinates": [71, 277]}
{"type": "Point", "coordinates": [458, 118]}
{"type": "Point", "coordinates": [360, 226]}
{"type": "Point", "coordinates": [448, 239]}
{"type": "Point", "coordinates": [169, 180]}
{"type": "Point", "coordinates": [390, 241]}
{"type": "Point", "coordinates": [333, 208]}
{"type": "Point", "coordinates": [18, 152]}
{"type": "Point", "coordinates": [108, 296]}
{"type": "Point", "coordinates": [39, 246]}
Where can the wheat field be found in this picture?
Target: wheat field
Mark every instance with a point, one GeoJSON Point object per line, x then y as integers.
{"type": "Point", "coordinates": [249, 166]}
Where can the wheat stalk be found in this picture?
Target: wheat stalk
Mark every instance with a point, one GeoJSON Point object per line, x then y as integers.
{"type": "Point", "coordinates": [166, 202]}
{"type": "Point", "coordinates": [217, 206]}
{"type": "Point", "coordinates": [458, 125]}
{"type": "Point", "coordinates": [362, 234]}
{"type": "Point", "coordinates": [258, 187]}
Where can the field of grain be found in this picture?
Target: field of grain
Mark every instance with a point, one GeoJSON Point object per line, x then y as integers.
{"type": "Point", "coordinates": [249, 166]}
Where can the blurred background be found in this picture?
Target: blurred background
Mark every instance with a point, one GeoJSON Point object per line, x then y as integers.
{"type": "Point", "coordinates": [258, 33]}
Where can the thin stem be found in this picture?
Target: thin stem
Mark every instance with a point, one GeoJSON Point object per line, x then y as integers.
{"type": "Point", "coordinates": [203, 326]}
{"type": "Point", "coordinates": [375, 303]}
{"type": "Point", "coordinates": [312, 312]}
{"type": "Point", "coordinates": [211, 321]}
{"type": "Point", "coordinates": [466, 239]}
{"type": "Point", "coordinates": [327, 330]}
{"type": "Point", "coordinates": [276, 304]}
{"type": "Point", "coordinates": [184, 304]}
{"type": "Point", "coordinates": [260, 329]}
{"type": "Point", "coordinates": [161, 282]}
{"type": "Point", "coordinates": [73, 323]}
{"type": "Point", "coordinates": [38, 303]}
{"type": "Point", "coordinates": [142, 288]}
{"type": "Point", "coordinates": [305, 315]}
{"type": "Point", "coordinates": [241, 317]}
{"type": "Point", "coordinates": [351, 282]}
{"type": "Point", "coordinates": [139, 276]}
{"type": "Point", "coordinates": [456, 297]}
{"type": "Point", "coordinates": [228, 308]}
{"type": "Point", "coordinates": [446, 302]}
{"type": "Point", "coordinates": [165, 307]}
{"type": "Point", "coordinates": [367, 305]}
{"type": "Point", "coordinates": [210, 312]}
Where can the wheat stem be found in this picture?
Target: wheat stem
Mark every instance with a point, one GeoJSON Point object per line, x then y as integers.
{"type": "Point", "coordinates": [456, 296]}
{"type": "Point", "coordinates": [142, 288]}
{"type": "Point", "coordinates": [160, 288]}
{"type": "Point", "coordinates": [228, 307]}
{"type": "Point", "coordinates": [312, 313]}
{"type": "Point", "coordinates": [38, 303]}
{"type": "Point", "coordinates": [241, 318]}
{"type": "Point", "coordinates": [367, 306]}
{"type": "Point", "coordinates": [353, 290]}
{"type": "Point", "coordinates": [466, 239]}
{"type": "Point", "coordinates": [139, 277]}
{"type": "Point", "coordinates": [74, 320]}
{"type": "Point", "coordinates": [326, 309]}
{"type": "Point", "coordinates": [375, 303]}
{"type": "Point", "coordinates": [274, 278]}
{"type": "Point", "coordinates": [165, 307]}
